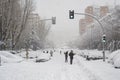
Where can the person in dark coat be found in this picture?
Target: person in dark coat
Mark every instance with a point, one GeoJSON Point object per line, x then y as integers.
{"type": "Point", "coordinates": [47, 52]}
{"type": "Point", "coordinates": [66, 56]}
{"type": "Point", "coordinates": [60, 51]}
{"type": "Point", "coordinates": [51, 53]}
{"type": "Point", "coordinates": [71, 54]}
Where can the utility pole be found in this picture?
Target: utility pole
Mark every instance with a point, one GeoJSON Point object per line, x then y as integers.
{"type": "Point", "coordinates": [104, 40]}
{"type": "Point", "coordinates": [0, 61]}
{"type": "Point", "coordinates": [91, 38]}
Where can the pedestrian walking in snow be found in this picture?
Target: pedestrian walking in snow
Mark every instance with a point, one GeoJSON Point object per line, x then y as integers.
{"type": "Point", "coordinates": [51, 53]}
{"type": "Point", "coordinates": [60, 51]}
{"type": "Point", "coordinates": [43, 51]}
{"type": "Point", "coordinates": [71, 54]}
{"type": "Point", "coordinates": [66, 56]}
{"type": "Point", "coordinates": [47, 51]}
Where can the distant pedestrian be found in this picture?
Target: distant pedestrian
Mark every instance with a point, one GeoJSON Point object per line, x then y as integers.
{"type": "Point", "coordinates": [60, 51]}
{"type": "Point", "coordinates": [66, 56]}
{"type": "Point", "coordinates": [43, 51]}
{"type": "Point", "coordinates": [51, 53]}
{"type": "Point", "coordinates": [71, 54]}
{"type": "Point", "coordinates": [46, 51]}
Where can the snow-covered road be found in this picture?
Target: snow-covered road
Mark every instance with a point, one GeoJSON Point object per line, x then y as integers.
{"type": "Point", "coordinates": [55, 69]}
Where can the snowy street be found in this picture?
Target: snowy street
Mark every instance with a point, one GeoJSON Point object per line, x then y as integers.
{"type": "Point", "coordinates": [59, 40]}
{"type": "Point", "coordinates": [57, 69]}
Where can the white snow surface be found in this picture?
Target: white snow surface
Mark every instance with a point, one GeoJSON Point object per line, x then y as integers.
{"type": "Point", "coordinates": [114, 58]}
{"type": "Point", "coordinates": [57, 69]}
{"type": "Point", "coordinates": [7, 57]}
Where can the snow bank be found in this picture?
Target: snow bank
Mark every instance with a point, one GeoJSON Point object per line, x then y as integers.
{"type": "Point", "coordinates": [32, 54]}
{"type": "Point", "coordinates": [37, 56]}
{"type": "Point", "coordinates": [7, 57]}
{"type": "Point", "coordinates": [114, 58]}
{"type": "Point", "coordinates": [101, 70]}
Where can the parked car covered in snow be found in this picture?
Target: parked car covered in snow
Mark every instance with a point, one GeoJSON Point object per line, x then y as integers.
{"type": "Point", "coordinates": [114, 58]}
{"type": "Point", "coordinates": [43, 57]}
{"type": "Point", "coordinates": [91, 54]}
{"type": "Point", "coordinates": [31, 54]}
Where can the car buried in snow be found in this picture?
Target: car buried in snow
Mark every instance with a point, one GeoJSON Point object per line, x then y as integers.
{"type": "Point", "coordinates": [43, 57]}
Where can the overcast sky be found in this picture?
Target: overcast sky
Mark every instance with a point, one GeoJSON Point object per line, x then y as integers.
{"type": "Point", "coordinates": [65, 29]}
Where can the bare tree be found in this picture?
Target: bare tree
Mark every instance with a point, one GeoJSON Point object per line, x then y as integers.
{"type": "Point", "coordinates": [27, 10]}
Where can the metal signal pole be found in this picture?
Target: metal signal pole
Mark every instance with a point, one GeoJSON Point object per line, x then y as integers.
{"type": "Point", "coordinates": [71, 16]}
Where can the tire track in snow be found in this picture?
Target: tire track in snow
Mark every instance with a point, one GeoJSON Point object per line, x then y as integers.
{"type": "Point", "coordinates": [88, 73]}
{"type": "Point", "coordinates": [73, 72]}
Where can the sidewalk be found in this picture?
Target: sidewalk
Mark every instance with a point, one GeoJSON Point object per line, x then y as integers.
{"type": "Point", "coordinates": [103, 70]}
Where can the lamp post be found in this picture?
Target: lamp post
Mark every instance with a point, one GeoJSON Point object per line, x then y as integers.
{"type": "Point", "coordinates": [71, 16]}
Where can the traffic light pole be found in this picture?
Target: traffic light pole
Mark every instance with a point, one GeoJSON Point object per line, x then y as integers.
{"type": "Point", "coordinates": [53, 20]}
{"type": "Point", "coordinates": [0, 61]}
{"type": "Point", "coordinates": [103, 31]}
{"type": "Point", "coordinates": [94, 18]}
{"type": "Point", "coordinates": [104, 51]}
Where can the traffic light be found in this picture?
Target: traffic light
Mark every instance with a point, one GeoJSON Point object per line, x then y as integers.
{"type": "Point", "coordinates": [71, 14]}
{"type": "Point", "coordinates": [104, 38]}
{"type": "Point", "coordinates": [53, 20]}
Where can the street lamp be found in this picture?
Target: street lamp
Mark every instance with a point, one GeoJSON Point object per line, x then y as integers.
{"type": "Point", "coordinates": [71, 13]}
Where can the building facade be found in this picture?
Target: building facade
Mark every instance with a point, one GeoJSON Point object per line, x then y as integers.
{"type": "Point", "coordinates": [97, 11]}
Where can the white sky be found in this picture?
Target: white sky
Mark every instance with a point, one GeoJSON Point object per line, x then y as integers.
{"type": "Point", "coordinates": [65, 29]}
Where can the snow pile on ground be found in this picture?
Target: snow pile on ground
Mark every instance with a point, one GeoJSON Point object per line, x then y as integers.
{"type": "Point", "coordinates": [114, 58]}
{"type": "Point", "coordinates": [101, 70]}
{"type": "Point", "coordinates": [7, 57]}
{"type": "Point", "coordinates": [37, 56]}
{"type": "Point", "coordinates": [57, 69]}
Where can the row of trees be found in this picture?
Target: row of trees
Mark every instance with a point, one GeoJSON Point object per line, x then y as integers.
{"type": "Point", "coordinates": [92, 39]}
{"type": "Point", "coordinates": [35, 35]}
{"type": "Point", "coordinates": [13, 19]}
{"type": "Point", "coordinates": [14, 22]}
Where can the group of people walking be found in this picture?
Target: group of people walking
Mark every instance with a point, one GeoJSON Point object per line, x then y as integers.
{"type": "Point", "coordinates": [70, 54]}
{"type": "Point", "coordinates": [66, 53]}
